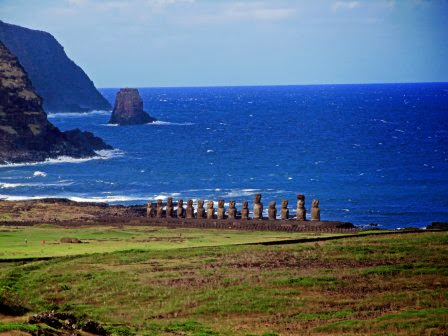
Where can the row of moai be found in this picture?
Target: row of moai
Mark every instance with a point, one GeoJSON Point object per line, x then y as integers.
{"type": "Point", "coordinates": [157, 210]}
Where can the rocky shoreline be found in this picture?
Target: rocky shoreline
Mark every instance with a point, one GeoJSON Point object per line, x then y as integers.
{"type": "Point", "coordinates": [26, 135]}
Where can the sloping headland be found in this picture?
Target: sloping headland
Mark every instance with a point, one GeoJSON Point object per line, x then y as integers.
{"type": "Point", "coordinates": [62, 84]}
{"type": "Point", "coordinates": [26, 135]}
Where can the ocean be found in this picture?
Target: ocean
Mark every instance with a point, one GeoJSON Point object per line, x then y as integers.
{"type": "Point", "coordinates": [372, 154]}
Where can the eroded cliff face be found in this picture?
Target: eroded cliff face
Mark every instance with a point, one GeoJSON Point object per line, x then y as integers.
{"type": "Point", "coordinates": [128, 109]}
{"type": "Point", "coordinates": [25, 133]}
{"type": "Point", "coordinates": [62, 84]}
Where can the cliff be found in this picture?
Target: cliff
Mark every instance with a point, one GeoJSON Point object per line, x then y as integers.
{"type": "Point", "coordinates": [128, 109]}
{"type": "Point", "coordinates": [62, 84]}
{"type": "Point", "coordinates": [25, 133]}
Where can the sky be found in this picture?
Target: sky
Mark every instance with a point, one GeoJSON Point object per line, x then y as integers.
{"type": "Point", "coordinates": [156, 43]}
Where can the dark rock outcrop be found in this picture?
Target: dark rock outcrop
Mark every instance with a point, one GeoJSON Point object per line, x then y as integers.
{"type": "Point", "coordinates": [62, 84]}
{"type": "Point", "coordinates": [128, 109]}
{"type": "Point", "coordinates": [438, 226]}
{"type": "Point", "coordinates": [25, 133]}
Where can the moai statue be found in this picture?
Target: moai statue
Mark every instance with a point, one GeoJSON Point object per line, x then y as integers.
{"type": "Point", "coordinates": [180, 209]}
{"type": "Point", "coordinates": [210, 210]}
{"type": "Point", "coordinates": [272, 211]}
{"type": "Point", "coordinates": [169, 208]}
{"type": "Point", "coordinates": [258, 207]}
{"type": "Point", "coordinates": [201, 211]}
{"type": "Point", "coordinates": [221, 210]}
{"type": "Point", "coordinates": [301, 211]}
{"type": "Point", "coordinates": [150, 210]}
{"type": "Point", "coordinates": [285, 210]}
{"type": "Point", "coordinates": [189, 212]}
{"type": "Point", "coordinates": [159, 209]}
{"type": "Point", "coordinates": [315, 211]}
{"type": "Point", "coordinates": [245, 210]}
{"type": "Point", "coordinates": [231, 213]}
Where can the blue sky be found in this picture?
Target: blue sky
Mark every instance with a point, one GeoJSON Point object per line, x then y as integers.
{"type": "Point", "coordinates": [147, 43]}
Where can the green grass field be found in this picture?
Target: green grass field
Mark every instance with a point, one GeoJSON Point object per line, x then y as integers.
{"type": "Point", "coordinates": [370, 285]}
{"type": "Point", "coordinates": [42, 241]}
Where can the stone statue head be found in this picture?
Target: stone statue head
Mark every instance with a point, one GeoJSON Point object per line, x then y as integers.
{"type": "Point", "coordinates": [257, 198]}
{"type": "Point", "coordinates": [245, 204]}
{"type": "Point", "coordinates": [190, 203]}
{"type": "Point", "coordinates": [315, 203]}
{"type": "Point", "coordinates": [200, 204]}
{"type": "Point", "coordinates": [159, 203]}
{"type": "Point", "coordinates": [301, 197]}
{"type": "Point", "coordinates": [232, 204]}
{"type": "Point", "coordinates": [180, 203]}
{"type": "Point", "coordinates": [221, 204]}
{"type": "Point", "coordinates": [169, 202]}
{"type": "Point", "coordinates": [210, 204]}
{"type": "Point", "coordinates": [284, 204]}
{"type": "Point", "coordinates": [272, 205]}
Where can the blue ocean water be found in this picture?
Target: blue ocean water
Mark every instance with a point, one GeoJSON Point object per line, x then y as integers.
{"type": "Point", "coordinates": [369, 153]}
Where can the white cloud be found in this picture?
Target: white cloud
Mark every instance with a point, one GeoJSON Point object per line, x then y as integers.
{"type": "Point", "coordinates": [258, 11]}
{"type": "Point", "coordinates": [118, 4]}
{"type": "Point", "coordinates": [338, 5]}
{"type": "Point", "coordinates": [240, 11]}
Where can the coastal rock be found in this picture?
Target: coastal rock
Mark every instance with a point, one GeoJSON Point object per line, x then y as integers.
{"type": "Point", "coordinates": [25, 133]}
{"type": "Point", "coordinates": [128, 109]}
{"type": "Point", "coordinates": [62, 84]}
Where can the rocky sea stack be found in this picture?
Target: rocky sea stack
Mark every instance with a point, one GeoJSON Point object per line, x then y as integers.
{"type": "Point", "coordinates": [25, 133]}
{"type": "Point", "coordinates": [128, 109]}
{"type": "Point", "coordinates": [62, 84]}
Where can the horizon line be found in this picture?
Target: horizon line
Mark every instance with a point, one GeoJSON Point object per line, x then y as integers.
{"type": "Point", "coordinates": [266, 85]}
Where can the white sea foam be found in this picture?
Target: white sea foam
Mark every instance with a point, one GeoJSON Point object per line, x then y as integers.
{"type": "Point", "coordinates": [77, 114]}
{"type": "Point", "coordinates": [168, 123]}
{"type": "Point", "coordinates": [164, 197]}
{"type": "Point", "coordinates": [28, 185]}
{"type": "Point", "coordinates": [102, 155]}
{"type": "Point", "coordinates": [107, 199]}
{"type": "Point", "coordinates": [39, 174]}
{"type": "Point", "coordinates": [110, 125]}
{"type": "Point", "coordinates": [241, 192]}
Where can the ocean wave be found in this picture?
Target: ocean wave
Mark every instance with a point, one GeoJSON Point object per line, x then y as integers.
{"type": "Point", "coordinates": [27, 185]}
{"type": "Point", "coordinates": [39, 174]}
{"type": "Point", "coordinates": [107, 199]}
{"type": "Point", "coordinates": [102, 155]}
{"type": "Point", "coordinates": [95, 199]}
{"type": "Point", "coordinates": [78, 114]}
{"type": "Point", "coordinates": [168, 123]}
